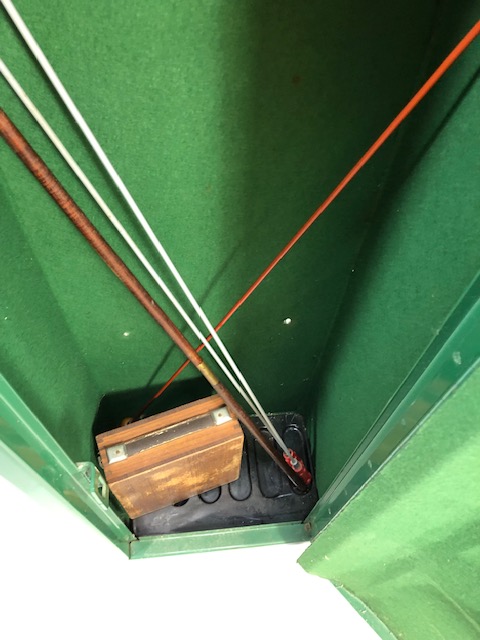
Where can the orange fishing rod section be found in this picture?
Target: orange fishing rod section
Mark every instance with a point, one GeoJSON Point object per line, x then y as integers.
{"type": "Point", "coordinates": [293, 468]}
{"type": "Point", "coordinates": [384, 136]}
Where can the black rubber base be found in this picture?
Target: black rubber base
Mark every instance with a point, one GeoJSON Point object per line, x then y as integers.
{"type": "Point", "coordinates": [261, 495]}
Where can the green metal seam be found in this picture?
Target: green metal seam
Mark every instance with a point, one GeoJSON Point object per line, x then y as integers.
{"type": "Point", "coordinates": [218, 540]}
{"type": "Point", "coordinates": [367, 614]}
{"type": "Point", "coordinates": [438, 372]}
{"type": "Point", "coordinates": [23, 433]}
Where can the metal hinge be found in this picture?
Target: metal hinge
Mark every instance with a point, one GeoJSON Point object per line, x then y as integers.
{"type": "Point", "coordinates": [97, 484]}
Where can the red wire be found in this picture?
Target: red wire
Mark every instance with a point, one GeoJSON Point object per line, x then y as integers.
{"type": "Point", "coordinates": [434, 78]}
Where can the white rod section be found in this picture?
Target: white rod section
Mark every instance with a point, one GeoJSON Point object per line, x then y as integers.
{"type": "Point", "coordinates": [87, 132]}
{"type": "Point", "coordinates": [9, 77]}
{"type": "Point", "coordinates": [35, 113]}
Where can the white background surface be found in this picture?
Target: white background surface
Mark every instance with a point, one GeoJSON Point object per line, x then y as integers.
{"type": "Point", "coordinates": [61, 579]}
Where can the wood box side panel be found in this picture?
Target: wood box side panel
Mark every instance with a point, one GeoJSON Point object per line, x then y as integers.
{"type": "Point", "coordinates": [181, 478]}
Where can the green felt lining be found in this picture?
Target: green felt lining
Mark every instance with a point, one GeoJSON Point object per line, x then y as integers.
{"type": "Point", "coordinates": [420, 255]}
{"type": "Point", "coordinates": [229, 122]}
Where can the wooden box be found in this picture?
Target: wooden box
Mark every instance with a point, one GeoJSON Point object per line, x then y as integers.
{"type": "Point", "coordinates": [172, 456]}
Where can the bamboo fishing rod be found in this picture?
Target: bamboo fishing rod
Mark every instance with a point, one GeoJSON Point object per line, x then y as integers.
{"type": "Point", "coordinates": [236, 379]}
{"type": "Point", "coordinates": [226, 362]}
{"type": "Point", "coordinates": [294, 470]}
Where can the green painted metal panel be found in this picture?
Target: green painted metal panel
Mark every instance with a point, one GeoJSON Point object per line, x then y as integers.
{"type": "Point", "coordinates": [407, 545]}
{"type": "Point", "coordinates": [26, 436]}
{"type": "Point", "coordinates": [218, 540]}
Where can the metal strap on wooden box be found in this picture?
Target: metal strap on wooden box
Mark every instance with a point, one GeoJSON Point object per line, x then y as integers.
{"type": "Point", "coordinates": [123, 450]}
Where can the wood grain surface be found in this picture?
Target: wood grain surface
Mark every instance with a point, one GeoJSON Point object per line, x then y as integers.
{"type": "Point", "coordinates": [178, 468]}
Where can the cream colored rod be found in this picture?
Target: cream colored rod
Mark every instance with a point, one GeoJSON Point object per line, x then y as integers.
{"type": "Point", "coordinates": [87, 132]}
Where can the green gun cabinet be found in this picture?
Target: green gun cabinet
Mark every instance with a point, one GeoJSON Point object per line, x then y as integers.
{"type": "Point", "coordinates": [230, 122]}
